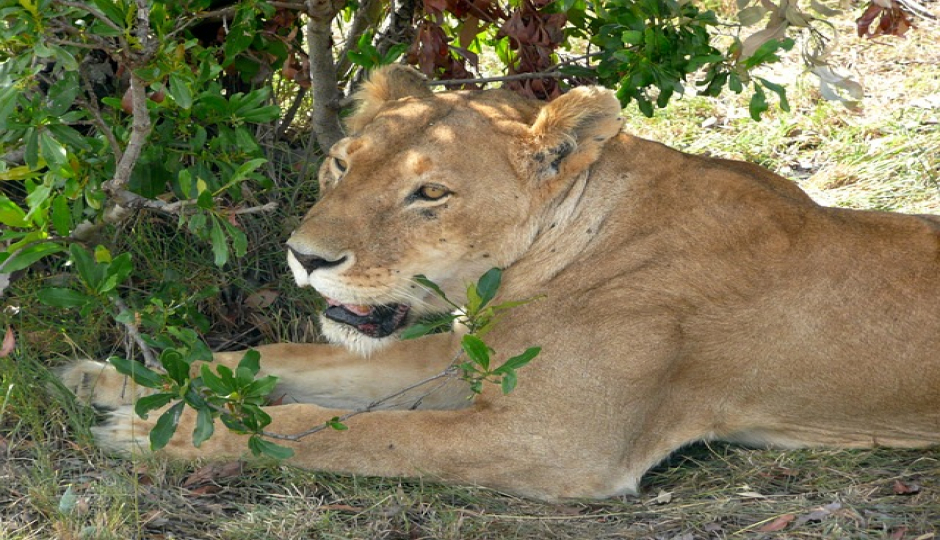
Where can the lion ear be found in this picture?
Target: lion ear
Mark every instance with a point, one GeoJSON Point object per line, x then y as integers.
{"type": "Point", "coordinates": [570, 132]}
{"type": "Point", "coordinates": [385, 84]}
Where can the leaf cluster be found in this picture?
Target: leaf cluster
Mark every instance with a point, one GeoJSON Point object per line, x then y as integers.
{"type": "Point", "coordinates": [235, 396]}
{"type": "Point", "coordinates": [479, 316]}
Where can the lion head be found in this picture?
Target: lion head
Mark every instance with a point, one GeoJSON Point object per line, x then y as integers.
{"type": "Point", "coordinates": [443, 185]}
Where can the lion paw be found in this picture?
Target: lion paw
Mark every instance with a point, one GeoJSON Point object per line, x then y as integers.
{"type": "Point", "coordinates": [100, 385]}
{"type": "Point", "coordinates": [123, 432]}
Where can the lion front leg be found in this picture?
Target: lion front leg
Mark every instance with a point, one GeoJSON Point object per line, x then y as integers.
{"type": "Point", "coordinates": [328, 375]}
{"type": "Point", "coordinates": [333, 376]}
{"type": "Point", "coordinates": [484, 445]}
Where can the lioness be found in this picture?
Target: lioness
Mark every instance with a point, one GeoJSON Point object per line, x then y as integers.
{"type": "Point", "coordinates": [684, 299]}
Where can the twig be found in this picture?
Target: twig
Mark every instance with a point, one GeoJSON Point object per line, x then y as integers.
{"type": "Point", "coordinates": [450, 371]}
{"type": "Point", "coordinates": [484, 80]}
{"type": "Point", "coordinates": [267, 207]}
{"type": "Point", "coordinates": [91, 103]}
{"type": "Point", "coordinates": [150, 360]}
{"type": "Point", "coordinates": [98, 15]}
{"type": "Point", "coordinates": [290, 114]}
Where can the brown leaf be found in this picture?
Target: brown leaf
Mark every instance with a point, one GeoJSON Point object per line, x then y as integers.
{"type": "Point", "coordinates": [900, 488]}
{"type": "Point", "coordinates": [213, 472]}
{"type": "Point", "coordinates": [468, 31]}
{"type": "Point", "coordinates": [778, 524]}
{"type": "Point", "coordinates": [261, 299]}
{"type": "Point", "coordinates": [9, 342]}
{"type": "Point", "coordinates": [898, 534]}
{"type": "Point", "coordinates": [207, 489]}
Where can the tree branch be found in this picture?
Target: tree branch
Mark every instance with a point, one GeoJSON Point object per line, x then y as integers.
{"type": "Point", "coordinates": [326, 96]}
{"type": "Point", "coordinates": [516, 77]}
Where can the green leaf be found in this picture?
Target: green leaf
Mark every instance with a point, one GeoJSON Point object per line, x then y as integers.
{"type": "Point", "coordinates": [251, 362]}
{"type": "Point", "coordinates": [422, 329]}
{"type": "Point", "coordinates": [166, 426]}
{"type": "Point", "coordinates": [111, 10]}
{"type": "Point", "coordinates": [261, 387]}
{"type": "Point", "coordinates": [261, 114]}
{"type": "Point", "coordinates": [214, 383]}
{"type": "Point", "coordinates": [29, 255]}
{"type": "Point", "coordinates": [62, 297]}
{"type": "Point", "coordinates": [488, 284]}
{"type": "Point", "coordinates": [427, 283]}
{"type": "Point", "coordinates": [259, 446]}
{"type": "Point", "coordinates": [175, 366]}
{"type": "Point", "coordinates": [148, 403]}
{"type": "Point", "coordinates": [61, 216]}
{"type": "Point", "coordinates": [31, 153]}
{"type": "Point", "coordinates": [779, 90]}
{"type": "Point", "coordinates": [632, 37]}
{"type": "Point", "coordinates": [518, 361]}
{"type": "Point", "coordinates": [180, 92]}
{"type": "Point", "coordinates": [91, 272]}
{"type": "Point", "coordinates": [508, 382]}
{"type": "Point", "coordinates": [141, 374]}
{"type": "Point", "coordinates": [117, 271]}
{"type": "Point", "coordinates": [52, 150]}
{"type": "Point", "coordinates": [11, 214]}
{"type": "Point", "coordinates": [335, 424]}
{"type": "Point", "coordinates": [205, 426]}
{"type": "Point", "coordinates": [758, 103]}
{"type": "Point", "coordinates": [476, 350]}
{"type": "Point", "coordinates": [62, 94]}
{"type": "Point", "coordinates": [219, 244]}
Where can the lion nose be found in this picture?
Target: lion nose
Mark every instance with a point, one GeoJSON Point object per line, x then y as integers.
{"type": "Point", "coordinates": [312, 262]}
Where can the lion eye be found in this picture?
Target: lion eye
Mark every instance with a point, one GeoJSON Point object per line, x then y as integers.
{"type": "Point", "coordinates": [340, 164]}
{"type": "Point", "coordinates": [432, 192]}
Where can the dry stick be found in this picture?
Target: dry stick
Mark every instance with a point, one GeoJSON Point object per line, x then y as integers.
{"type": "Point", "coordinates": [517, 77]}
{"type": "Point", "coordinates": [290, 114]}
{"type": "Point", "coordinates": [98, 15]}
{"type": "Point", "coordinates": [91, 103]}
{"type": "Point", "coordinates": [150, 359]}
{"type": "Point", "coordinates": [450, 371]}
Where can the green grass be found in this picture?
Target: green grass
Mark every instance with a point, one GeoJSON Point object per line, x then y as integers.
{"type": "Point", "coordinates": [54, 484]}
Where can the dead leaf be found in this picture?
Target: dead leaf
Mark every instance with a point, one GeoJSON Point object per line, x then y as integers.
{"type": "Point", "coordinates": [778, 524]}
{"type": "Point", "coordinates": [261, 299]}
{"type": "Point", "coordinates": [207, 489]}
{"type": "Point", "coordinates": [898, 534]}
{"type": "Point", "coordinates": [9, 342]}
{"type": "Point", "coordinates": [900, 488]}
{"type": "Point", "coordinates": [213, 472]}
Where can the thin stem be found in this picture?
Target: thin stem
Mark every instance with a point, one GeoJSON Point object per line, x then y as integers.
{"type": "Point", "coordinates": [450, 371]}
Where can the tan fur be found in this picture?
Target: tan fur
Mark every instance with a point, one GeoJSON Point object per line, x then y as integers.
{"type": "Point", "coordinates": [685, 299]}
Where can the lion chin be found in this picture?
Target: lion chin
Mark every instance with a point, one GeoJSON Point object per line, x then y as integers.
{"type": "Point", "coordinates": [352, 338]}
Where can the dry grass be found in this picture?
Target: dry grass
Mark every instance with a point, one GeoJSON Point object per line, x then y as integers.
{"type": "Point", "coordinates": [55, 485]}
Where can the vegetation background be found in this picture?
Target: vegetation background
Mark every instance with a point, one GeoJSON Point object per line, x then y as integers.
{"type": "Point", "coordinates": [240, 148]}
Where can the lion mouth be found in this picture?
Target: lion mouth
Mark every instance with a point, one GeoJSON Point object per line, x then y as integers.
{"type": "Point", "coordinates": [373, 321]}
